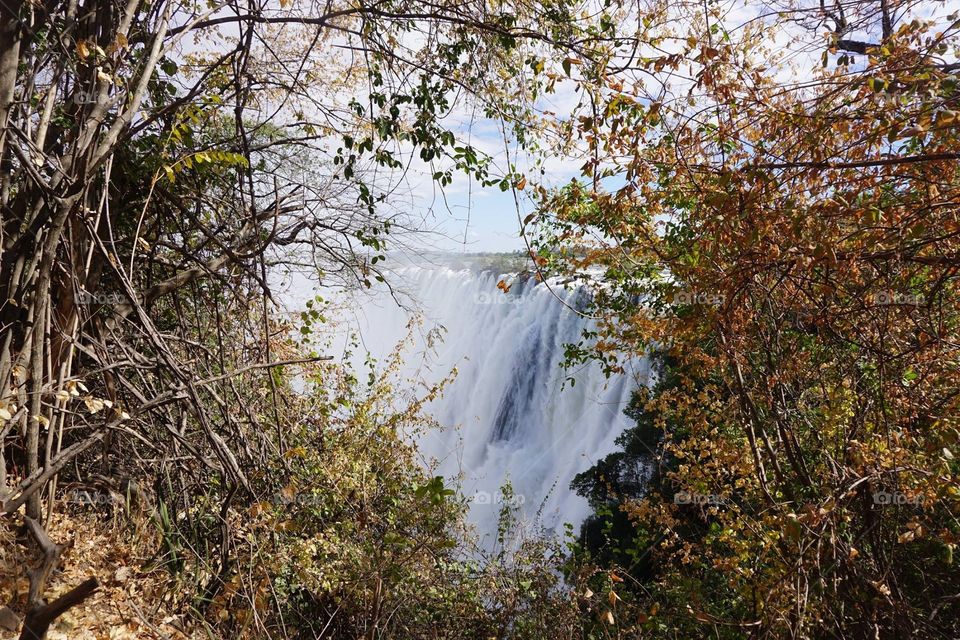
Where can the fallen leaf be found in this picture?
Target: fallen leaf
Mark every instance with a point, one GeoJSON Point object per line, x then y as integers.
{"type": "Point", "coordinates": [93, 404]}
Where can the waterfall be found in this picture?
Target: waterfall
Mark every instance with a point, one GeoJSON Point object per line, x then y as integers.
{"type": "Point", "coordinates": [513, 413]}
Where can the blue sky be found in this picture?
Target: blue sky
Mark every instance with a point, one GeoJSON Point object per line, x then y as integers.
{"type": "Point", "coordinates": [484, 220]}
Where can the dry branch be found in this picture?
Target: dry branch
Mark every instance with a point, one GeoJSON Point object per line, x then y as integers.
{"type": "Point", "coordinates": [39, 615]}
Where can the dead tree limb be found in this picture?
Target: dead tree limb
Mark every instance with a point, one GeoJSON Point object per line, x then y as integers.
{"type": "Point", "coordinates": [39, 619]}
{"type": "Point", "coordinates": [39, 615]}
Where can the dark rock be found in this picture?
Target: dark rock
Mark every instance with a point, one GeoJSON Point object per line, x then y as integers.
{"type": "Point", "coordinates": [9, 621]}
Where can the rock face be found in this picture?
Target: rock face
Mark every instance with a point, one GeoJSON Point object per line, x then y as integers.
{"type": "Point", "coordinates": [9, 621]}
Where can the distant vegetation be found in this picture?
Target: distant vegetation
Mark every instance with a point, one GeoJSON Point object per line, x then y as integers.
{"type": "Point", "coordinates": [494, 262]}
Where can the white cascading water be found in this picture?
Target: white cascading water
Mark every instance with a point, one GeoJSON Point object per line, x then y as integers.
{"type": "Point", "coordinates": [511, 416]}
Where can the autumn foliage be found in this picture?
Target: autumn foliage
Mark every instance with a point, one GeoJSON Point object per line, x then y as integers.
{"type": "Point", "coordinates": [768, 204]}
{"type": "Point", "coordinates": [793, 247]}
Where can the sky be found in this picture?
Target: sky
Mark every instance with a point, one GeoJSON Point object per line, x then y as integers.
{"type": "Point", "coordinates": [467, 217]}
{"type": "Point", "coordinates": [484, 221]}
{"type": "Point", "coordinates": [474, 218]}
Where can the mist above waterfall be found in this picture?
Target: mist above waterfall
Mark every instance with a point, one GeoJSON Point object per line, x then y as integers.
{"type": "Point", "coordinates": [512, 414]}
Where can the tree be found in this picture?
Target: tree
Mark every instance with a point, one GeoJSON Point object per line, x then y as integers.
{"type": "Point", "coordinates": [793, 245]}
{"type": "Point", "coordinates": [159, 162]}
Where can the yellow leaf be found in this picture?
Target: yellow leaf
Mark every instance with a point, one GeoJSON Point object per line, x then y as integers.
{"type": "Point", "coordinates": [608, 617]}
{"type": "Point", "coordinates": [288, 493]}
{"type": "Point", "coordinates": [118, 44]}
{"type": "Point", "coordinates": [83, 51]}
